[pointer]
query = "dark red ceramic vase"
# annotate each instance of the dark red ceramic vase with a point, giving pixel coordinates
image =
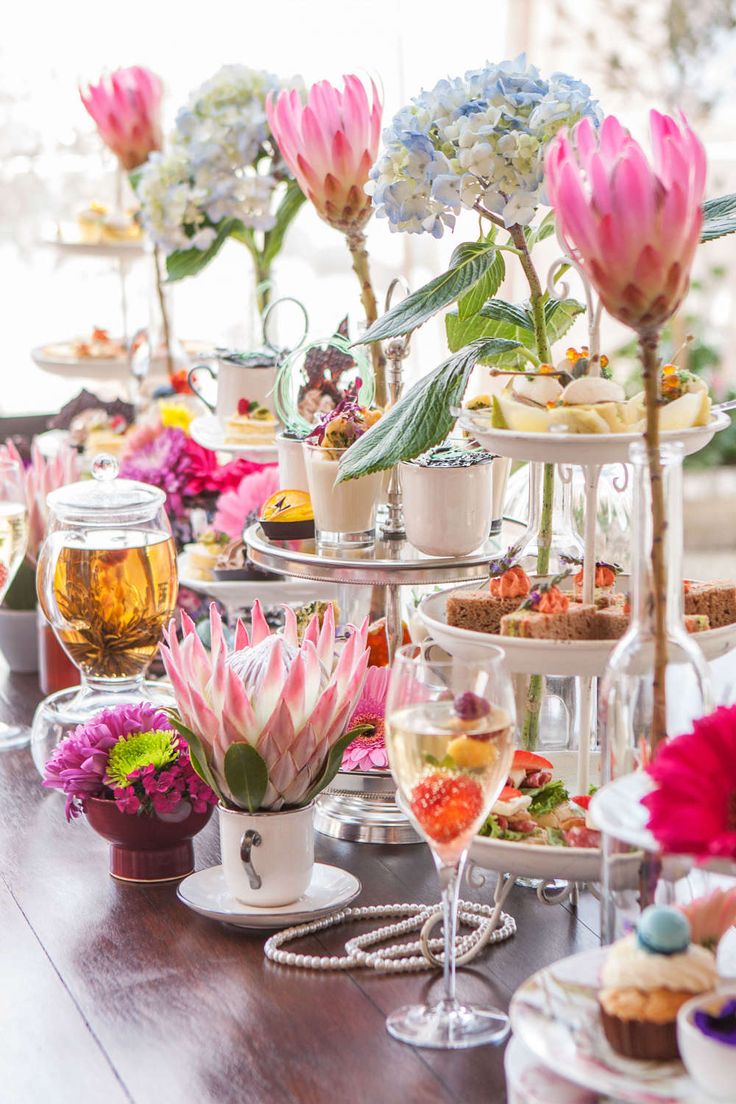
(145, 848)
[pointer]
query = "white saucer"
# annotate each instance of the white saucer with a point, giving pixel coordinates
(330, 889)
(209, 432)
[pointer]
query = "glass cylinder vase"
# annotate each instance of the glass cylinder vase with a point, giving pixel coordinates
(626, 700)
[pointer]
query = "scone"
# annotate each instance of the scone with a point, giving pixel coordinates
(646, 978)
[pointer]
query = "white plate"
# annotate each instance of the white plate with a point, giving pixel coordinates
(208, 431)
(243, 592)
(330, 889)
(56, 359)
(543, 657)
(555, 1012)
(68, 240)
(530, 1082)
(578, 448)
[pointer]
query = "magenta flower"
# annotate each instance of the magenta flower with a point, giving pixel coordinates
(126, 106)
(78, 764)
(330, 143)
(693, 809)
(368, 751)
(236, 505)
(162, 461)
(634, 227)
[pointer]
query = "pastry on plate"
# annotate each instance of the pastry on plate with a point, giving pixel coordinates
(252, 424)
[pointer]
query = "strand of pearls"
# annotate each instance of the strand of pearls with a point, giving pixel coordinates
(489, 925)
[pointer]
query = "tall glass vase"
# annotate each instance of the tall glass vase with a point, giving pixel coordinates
(160, 356)
(626, 695)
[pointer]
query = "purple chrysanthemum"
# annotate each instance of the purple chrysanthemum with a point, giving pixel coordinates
(368, 752)
(163, 461)
(78, 764)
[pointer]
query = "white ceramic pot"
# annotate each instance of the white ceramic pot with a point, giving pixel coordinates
(447, 510)
(710, 1063)
(344, 513)
(267, 857)
(235, 382)
(292, 471)
(19, 640)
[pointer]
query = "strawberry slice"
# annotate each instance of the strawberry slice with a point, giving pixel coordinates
(583, 800)
(508, 793)
(446, 805)
(528, 760)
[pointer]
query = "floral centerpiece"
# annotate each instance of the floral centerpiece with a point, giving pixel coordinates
(130, 772)
(221, 176)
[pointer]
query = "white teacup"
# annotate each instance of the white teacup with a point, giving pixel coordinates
(268, 857)
(253, 381)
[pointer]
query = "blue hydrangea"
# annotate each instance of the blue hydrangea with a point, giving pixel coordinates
(478, 138)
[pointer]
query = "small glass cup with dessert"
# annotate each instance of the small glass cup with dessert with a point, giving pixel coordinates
(344, 513)
(447, 499)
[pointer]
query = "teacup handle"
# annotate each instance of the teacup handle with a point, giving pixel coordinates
(250, 840)
(193, 385)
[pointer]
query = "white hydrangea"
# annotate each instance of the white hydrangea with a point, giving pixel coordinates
(481, 137)
(221, 163)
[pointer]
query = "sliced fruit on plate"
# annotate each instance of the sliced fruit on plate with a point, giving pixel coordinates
(519, 416)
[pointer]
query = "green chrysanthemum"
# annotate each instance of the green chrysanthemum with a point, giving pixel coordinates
(139, 750)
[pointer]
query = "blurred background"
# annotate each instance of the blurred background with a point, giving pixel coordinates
(665, 53)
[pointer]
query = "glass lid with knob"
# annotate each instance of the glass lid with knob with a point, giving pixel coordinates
(104, 499)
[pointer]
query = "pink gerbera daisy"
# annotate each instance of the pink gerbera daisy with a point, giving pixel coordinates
(234, 507)
(711, 917)
(693, 809)
(368, 752)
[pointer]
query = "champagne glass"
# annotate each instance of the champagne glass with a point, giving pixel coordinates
(13, 543)
(450, 740)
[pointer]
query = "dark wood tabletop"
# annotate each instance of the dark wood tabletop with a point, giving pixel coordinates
(113, 992)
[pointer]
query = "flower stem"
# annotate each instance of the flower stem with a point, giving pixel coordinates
(648, 351)
(165, 326)
(356, 244)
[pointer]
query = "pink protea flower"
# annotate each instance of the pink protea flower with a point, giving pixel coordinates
(40, 477)
(234, 507)
(126, 106)
(711, 917)
(330, 143)
(368, 751)
(289, 701)
(633, 226)
(693, 809)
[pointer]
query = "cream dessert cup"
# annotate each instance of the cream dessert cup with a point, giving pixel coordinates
(292, 467)
(344, 513)
(448, 502)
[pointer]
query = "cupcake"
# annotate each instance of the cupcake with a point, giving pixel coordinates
(646, 978)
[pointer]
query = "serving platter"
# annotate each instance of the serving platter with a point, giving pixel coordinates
(577, 448)
(543, 657)
(57, 358)
(208, 431)
(243, 592)
(555, 1012)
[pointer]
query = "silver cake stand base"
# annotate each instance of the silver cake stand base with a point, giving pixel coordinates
(360, 806)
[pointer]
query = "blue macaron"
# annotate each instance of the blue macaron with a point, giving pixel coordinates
(663, 930)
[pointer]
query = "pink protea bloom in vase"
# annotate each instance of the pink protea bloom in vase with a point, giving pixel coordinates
(274, 710)
(634, 228)
(330, 143)
(126, 106)
(711, 917)
(368, 750)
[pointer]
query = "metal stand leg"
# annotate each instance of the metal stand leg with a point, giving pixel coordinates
(394, 628)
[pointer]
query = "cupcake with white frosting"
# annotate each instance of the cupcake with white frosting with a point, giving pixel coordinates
(646, 978)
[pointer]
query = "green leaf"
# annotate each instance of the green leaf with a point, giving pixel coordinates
(421, 418)
(512, 313)
(246, 775)
(544, 229)
(471, 302)
(497, 319)
(559, 314)
(468, 265)
(273, 239)
(719, 217)
(197, 752)
(333, 762)
(188, 262)
(546, 798)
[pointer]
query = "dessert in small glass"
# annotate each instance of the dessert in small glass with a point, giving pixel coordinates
(344, 513)
(447, 500)
(292, 469)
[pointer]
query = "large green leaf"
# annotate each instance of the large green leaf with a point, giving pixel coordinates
(246, 775)
(421, 417)
(333, 762)
(559, 315)
(472, 301)
(188, 262)
(507, 321)
(197, 752)
(468, 265)
(273, 239)
(719, 217)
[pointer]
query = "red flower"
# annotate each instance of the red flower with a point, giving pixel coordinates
(693, 809)
(206, 476)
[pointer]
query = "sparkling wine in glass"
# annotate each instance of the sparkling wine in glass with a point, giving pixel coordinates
(450, 727)
(13, 543)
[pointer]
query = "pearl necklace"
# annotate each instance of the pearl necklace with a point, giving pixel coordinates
(489, 925)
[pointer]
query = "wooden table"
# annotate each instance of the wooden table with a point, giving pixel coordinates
(112, 992)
